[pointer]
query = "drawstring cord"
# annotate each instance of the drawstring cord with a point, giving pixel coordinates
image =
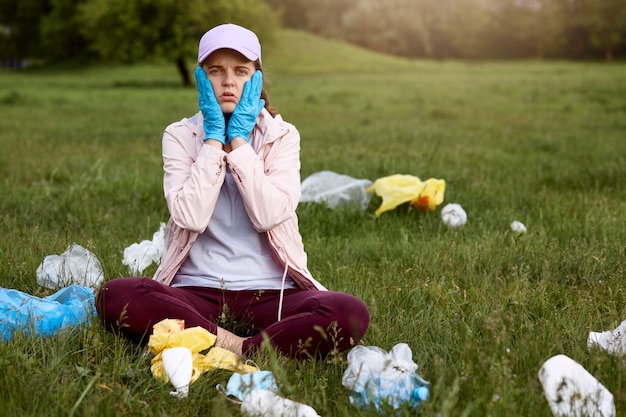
(282, 286)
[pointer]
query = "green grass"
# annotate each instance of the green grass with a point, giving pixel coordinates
(481, 308)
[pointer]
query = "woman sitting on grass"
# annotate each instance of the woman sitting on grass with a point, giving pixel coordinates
(233, 252)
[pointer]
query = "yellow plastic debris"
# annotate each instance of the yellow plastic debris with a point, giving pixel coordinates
(398, 189)
(169, 333)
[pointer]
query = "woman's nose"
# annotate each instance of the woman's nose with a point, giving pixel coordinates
(228, 78)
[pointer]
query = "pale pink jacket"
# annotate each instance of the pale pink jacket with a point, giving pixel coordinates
(268, 180)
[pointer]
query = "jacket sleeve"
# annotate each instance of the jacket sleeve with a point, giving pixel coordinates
(193, 176)
(270, 185)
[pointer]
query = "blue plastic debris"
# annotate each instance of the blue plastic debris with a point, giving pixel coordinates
(70, 306)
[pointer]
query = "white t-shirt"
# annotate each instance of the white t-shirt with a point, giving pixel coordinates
(230, 254)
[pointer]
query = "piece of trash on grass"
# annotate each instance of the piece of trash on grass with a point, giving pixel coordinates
(518, 227)
(240, 385)
(376, 377)
(170, 333)
(398, 189)
(265, 403)
(75, 266)
(35, 316)
(140, 256)
(335, 190)
(572, 391)
(178, 365)
(612, 341)
(453, 215)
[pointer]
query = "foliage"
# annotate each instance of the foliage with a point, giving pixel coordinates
(480, 306)
(468, 28)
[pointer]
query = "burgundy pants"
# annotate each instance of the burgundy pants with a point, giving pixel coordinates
(313, 322)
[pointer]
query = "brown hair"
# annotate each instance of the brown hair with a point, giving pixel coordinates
(271, 109)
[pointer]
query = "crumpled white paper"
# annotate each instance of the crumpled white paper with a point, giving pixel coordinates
(572, 391)
(612, 341)
(518, 227)
(76, 265)
(140, 256)
(335, 190)
(265, 403)
(453, 215)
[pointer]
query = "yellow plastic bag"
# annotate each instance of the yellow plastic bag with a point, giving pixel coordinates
(171, 333)
(398, 189)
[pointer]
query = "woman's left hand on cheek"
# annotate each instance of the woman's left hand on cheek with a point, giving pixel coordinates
(248, 109)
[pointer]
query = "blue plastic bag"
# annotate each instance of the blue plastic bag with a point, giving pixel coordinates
(70, 306)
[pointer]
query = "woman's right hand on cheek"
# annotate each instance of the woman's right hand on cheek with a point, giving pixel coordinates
(214, 124)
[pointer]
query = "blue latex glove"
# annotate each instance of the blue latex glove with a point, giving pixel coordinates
(249, 107)
(214, 123)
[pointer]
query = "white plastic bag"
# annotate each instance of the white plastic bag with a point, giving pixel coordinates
(76, 265)
(139, 256)
(265, 403)
(612, 341)
(336, 190)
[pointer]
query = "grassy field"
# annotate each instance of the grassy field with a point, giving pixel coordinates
(481, 307)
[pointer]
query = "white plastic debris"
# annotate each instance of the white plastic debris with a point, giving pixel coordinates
(518, 227)
(178, 364)
(612, 341)
(75, 266)
(376, 377)
(265, 403)
(335, 190)
(572, 391)
(140, 256)
(453, 215)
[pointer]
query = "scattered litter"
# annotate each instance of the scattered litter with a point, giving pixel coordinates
(398, 189)
(518, 227)
(335, 190)
(572, 391)
(140, 256)
(75, 266)
(265, 403)
(178, 365)
(376, 377)
(170, 333)
(70, 306)
(240, 385)
(612, 341)
(453, 215)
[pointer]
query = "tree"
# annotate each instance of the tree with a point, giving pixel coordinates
(19, 23)
(606, 22)
(132, 30)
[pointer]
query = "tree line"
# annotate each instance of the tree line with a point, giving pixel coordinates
(133, 30)
(470, 29)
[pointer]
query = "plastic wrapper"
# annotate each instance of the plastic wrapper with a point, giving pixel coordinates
(399, 189)
(335, 190)
(170, 333)
(612, 341)
(377, 378)
(75, 266)
(35, 316)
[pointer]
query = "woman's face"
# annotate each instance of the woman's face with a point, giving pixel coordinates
(228, 70)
